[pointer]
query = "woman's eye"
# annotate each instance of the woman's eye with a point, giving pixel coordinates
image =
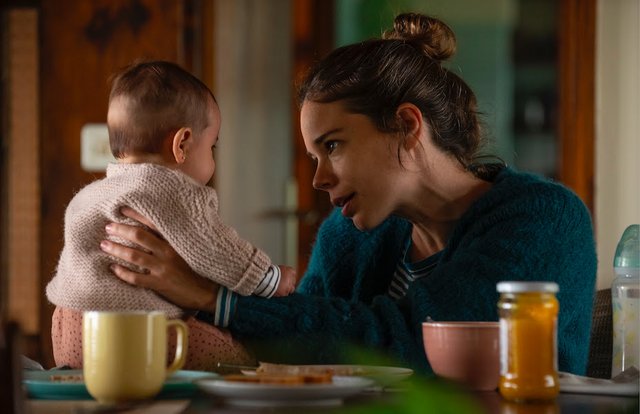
(331, 146)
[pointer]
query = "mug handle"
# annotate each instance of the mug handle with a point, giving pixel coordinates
(181, 345)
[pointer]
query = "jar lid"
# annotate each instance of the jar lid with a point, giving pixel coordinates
(520, 287)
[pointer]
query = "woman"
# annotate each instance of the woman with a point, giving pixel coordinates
(422, 229)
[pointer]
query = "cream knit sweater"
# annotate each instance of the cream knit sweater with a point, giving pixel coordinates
(184, 212)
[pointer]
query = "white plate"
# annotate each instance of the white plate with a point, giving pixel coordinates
(584, 385)
(383, 376)
(250, 394)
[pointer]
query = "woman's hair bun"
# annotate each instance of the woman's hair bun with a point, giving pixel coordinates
(433, 36)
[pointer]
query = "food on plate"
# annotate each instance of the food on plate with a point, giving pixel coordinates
(67, 378)
(283, 378)
(283, 369)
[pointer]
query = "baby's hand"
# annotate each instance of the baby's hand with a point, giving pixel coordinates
(288, 281)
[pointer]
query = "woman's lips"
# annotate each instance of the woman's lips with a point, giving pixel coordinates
(345, 205)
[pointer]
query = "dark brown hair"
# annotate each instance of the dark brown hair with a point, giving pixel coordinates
(159, 98)
(375, 76)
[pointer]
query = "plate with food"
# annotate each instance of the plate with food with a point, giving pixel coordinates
(284, 389)
(381, 375)
(69, 384)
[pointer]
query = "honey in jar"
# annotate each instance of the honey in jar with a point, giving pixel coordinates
(528, 344)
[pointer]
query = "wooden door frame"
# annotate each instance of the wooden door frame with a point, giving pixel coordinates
(313, 37)
(576, 96)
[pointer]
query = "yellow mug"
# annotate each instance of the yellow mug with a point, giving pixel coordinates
(125, 354)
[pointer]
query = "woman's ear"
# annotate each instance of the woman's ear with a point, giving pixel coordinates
(411, 118)
(182, 139)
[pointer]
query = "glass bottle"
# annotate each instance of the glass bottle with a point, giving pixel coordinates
(625, 300)
(528, 343)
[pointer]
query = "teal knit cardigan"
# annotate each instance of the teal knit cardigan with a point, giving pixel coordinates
(525, 228)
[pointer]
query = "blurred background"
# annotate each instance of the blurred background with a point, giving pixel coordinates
(556, 81)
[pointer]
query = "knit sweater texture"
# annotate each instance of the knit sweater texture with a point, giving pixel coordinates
(524, 228)
(184, 212)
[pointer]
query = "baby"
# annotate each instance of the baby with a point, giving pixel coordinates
(163, 128)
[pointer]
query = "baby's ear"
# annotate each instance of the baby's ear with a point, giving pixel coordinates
(182, 140)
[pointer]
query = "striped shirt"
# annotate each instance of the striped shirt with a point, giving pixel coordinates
(268, 285)
(407, 272)
(226, 298)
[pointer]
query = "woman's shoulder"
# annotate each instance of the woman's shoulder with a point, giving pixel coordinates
(533, 192)
(511, 178)
(525, 200)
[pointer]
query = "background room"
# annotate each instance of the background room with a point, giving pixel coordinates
(556, 80)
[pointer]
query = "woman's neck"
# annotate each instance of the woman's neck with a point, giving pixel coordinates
(426, 242)
(440, 198)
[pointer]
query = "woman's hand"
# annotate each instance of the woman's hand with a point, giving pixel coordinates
(165, 271)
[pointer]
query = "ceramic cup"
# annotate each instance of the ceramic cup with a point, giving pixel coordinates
(125, 354)
(465, 352)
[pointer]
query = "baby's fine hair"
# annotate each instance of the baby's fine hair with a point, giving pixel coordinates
(375, 76)
(156, 99)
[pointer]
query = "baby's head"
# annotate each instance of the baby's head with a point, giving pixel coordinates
(159, 112)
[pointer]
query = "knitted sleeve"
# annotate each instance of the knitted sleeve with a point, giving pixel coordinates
(339, 303)
(186, 215)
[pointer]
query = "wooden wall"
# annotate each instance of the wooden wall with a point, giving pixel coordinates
(20, 186)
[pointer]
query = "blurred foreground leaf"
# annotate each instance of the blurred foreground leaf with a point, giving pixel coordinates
(419, 394)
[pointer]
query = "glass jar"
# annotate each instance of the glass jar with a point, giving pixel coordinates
(625, 300)
(528, 343)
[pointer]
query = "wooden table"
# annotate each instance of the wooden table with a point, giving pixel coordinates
(488, 402)
(566, 403)
(91, 406)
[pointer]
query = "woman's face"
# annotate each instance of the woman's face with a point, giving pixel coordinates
(355, 163)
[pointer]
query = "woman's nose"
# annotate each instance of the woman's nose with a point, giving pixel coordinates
(323, 179)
